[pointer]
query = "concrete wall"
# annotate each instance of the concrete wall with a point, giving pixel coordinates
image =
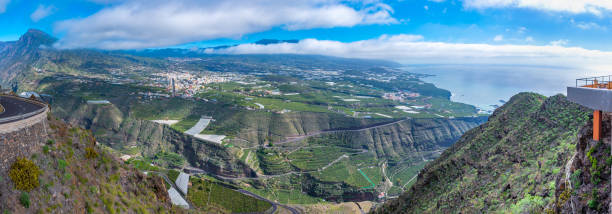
(21, 139)
(593, 98)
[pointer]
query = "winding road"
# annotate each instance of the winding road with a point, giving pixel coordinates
(274, 204)
(199, 171)
(15, 106)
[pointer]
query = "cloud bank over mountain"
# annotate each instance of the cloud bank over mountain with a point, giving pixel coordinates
(143, 24)
(413, 49)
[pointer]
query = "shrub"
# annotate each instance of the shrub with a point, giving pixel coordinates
(529, 204)
(173, 160)
(593, 204)
(90, 153)
(575, 179)
(24, 199)
(45, 149)
(24, 174)
(173, 174)
(61, 164)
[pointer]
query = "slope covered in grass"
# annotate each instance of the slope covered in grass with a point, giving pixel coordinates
(76, 174)
(508, 164)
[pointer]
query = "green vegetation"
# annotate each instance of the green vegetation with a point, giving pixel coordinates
(24, 199)
(24, 174)
(90, 153)
(142, 164)
(575, 178)
(273, 162)
(204, 194)
(313, 106)
(508, 164)
(529, 204)
(593, 204)
(403, 173)
(169, 159)
(309, 159)
(286, 193)
(173, 174)
(367, 178)
(348, 172)
(595, 169)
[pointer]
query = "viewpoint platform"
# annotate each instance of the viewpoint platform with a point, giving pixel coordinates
(16, 108)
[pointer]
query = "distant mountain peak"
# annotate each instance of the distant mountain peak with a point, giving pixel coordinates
(275, 41)
(34, 38)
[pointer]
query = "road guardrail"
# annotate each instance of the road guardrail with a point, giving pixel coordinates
(26, 115)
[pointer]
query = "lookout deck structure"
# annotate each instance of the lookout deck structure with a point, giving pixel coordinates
(594, 93)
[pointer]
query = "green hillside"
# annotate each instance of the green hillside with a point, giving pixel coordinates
(75, 174)
(509, 164)
(299, 129)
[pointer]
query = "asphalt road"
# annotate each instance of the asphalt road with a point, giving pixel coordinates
(15, 107)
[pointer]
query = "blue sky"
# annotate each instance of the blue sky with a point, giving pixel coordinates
(412, 31)
(445, 21)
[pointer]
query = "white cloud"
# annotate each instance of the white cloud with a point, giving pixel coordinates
(529, 39)
(142, 24)
(572, 6)
(498, 38)
(3, 4)
(412, 49)
(42, 12)
(589, 26)
(560, 42)
(426, 7)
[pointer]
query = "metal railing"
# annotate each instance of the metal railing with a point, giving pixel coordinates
(595, 82)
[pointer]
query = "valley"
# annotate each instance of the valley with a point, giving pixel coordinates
(290, 134)
(297, 130)
(298, 145)
(306, 106)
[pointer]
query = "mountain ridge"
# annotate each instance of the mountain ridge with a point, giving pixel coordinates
(510, 163)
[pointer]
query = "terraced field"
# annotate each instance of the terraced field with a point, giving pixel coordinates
(347, 171)
(209, 196)
(273, 162)
(285, 190)
(315, 158)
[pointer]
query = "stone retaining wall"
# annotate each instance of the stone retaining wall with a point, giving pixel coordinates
(22, 139)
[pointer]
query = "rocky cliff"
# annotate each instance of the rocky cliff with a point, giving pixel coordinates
(583, 186)
(264, 127)
(114, 128)
(408, 136)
